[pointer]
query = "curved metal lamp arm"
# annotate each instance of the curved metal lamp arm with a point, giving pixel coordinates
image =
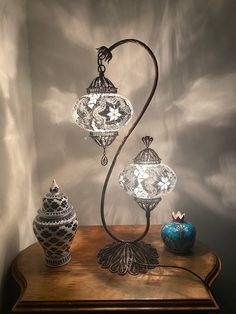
(106, 55)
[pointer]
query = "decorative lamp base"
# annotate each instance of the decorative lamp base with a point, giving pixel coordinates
(128, 257)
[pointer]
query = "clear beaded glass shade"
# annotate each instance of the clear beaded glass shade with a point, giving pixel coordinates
(147, 181)
(102, 112)
(147, 178)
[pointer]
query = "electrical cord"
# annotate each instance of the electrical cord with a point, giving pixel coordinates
(182, 268)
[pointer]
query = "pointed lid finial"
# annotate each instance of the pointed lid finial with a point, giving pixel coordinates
(54, 202)
(147, 155)
(54, 188)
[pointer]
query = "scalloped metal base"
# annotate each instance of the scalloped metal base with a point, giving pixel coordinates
(128, 257)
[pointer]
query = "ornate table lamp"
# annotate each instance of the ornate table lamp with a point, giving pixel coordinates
(102, 112)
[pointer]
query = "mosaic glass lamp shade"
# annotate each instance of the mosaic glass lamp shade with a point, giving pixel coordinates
(102, 112)
(147, 179)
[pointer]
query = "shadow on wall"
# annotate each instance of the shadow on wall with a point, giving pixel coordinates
(63, 152)
(18, 184)
(10, 290)
(189, 99)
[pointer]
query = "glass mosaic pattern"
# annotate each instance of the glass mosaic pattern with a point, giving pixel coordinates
(147, 181)
(102, 112)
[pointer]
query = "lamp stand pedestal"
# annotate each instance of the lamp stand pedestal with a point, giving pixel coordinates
(128, 257)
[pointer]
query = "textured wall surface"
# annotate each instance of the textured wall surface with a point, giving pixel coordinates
(18, 183)
(192, 116)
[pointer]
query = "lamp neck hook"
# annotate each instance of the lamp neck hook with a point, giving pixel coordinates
(103, 54)
(101, 67)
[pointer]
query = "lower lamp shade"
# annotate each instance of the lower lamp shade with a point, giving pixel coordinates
(147, 179)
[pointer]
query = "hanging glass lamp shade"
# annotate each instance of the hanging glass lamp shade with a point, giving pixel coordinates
(147, 179)
(102, 112)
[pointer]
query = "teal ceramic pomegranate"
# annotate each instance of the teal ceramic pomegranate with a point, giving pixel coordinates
(178, 234)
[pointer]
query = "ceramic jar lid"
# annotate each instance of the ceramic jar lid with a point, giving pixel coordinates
(55, 204)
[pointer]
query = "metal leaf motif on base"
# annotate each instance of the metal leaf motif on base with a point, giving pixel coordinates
(128, 257)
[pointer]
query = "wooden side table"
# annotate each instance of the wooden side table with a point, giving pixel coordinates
(82, 286)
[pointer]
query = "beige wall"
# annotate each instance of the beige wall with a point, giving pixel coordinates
(18, 183)
(192, 116)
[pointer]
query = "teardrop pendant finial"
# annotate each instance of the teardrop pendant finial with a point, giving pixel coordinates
(104, 159)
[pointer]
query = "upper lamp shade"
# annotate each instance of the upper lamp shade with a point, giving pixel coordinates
(102, 112)
(147, 179)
